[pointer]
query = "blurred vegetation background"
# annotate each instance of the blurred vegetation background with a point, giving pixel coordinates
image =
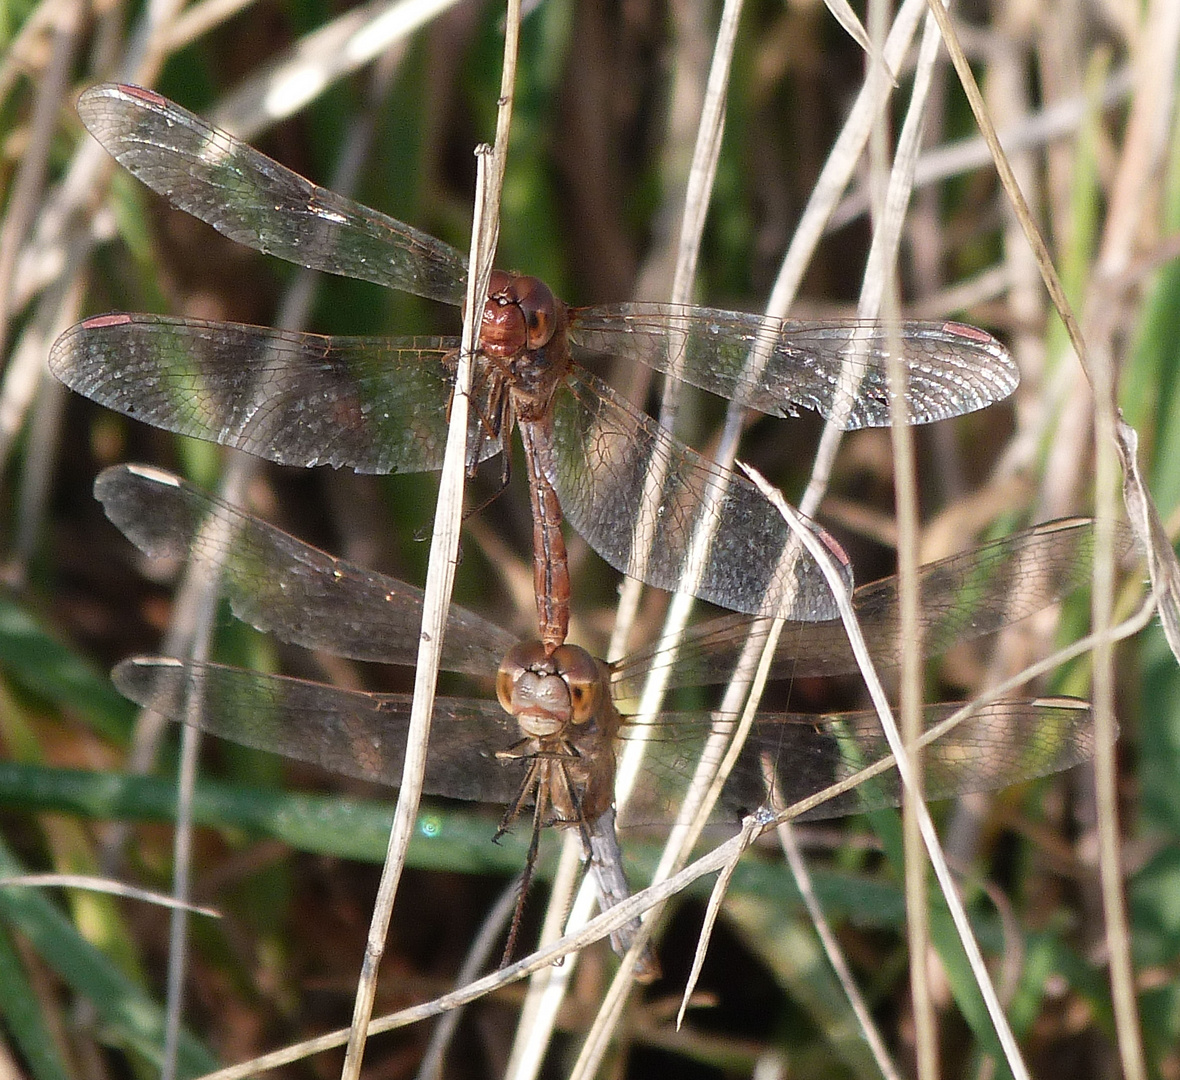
(592, 201)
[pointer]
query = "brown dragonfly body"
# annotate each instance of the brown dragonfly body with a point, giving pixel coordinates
(551, 738)
(380, 404)
(524, 337)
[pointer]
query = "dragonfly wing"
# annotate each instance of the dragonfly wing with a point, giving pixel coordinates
(606, 451)
(839, 369)
(963, 597)
(976, 592)
(377, 405)
(349, 732)
(283, 586)
(1004, 743)
(258, 202)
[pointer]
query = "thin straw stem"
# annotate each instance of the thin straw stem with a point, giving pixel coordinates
(440, 573)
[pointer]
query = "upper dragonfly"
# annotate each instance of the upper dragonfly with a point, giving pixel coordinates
(550, 741)
(380, 404)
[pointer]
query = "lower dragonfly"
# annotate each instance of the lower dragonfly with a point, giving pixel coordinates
(549, 741)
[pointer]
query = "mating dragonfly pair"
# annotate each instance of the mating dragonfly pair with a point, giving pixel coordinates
(380, 405)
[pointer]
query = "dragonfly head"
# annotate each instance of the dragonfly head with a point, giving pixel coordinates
(548, 693)
(519, 315)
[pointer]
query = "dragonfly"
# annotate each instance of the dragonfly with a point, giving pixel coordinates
(550, 739)
(381, 405)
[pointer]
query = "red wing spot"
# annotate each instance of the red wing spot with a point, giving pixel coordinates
(150, 96)
(116, 318)
(971, 333)
(833, 545)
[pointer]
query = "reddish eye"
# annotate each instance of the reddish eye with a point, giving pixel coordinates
(585, 680)
(537, 303)
(506, 678)
(540, 327)
(584, 701)
(521, 658)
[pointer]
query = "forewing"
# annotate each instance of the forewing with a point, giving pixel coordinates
(963, 597)
(837, 368)
(981, 590)
(349, 732)
(286, 587)
(258, 202)
(606, 454)
(377, 405)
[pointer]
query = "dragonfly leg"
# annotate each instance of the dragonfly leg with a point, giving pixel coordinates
(501, 488)
(492, 417)
(526, 877)
(522, 748)
(571, 798)
(531, 786)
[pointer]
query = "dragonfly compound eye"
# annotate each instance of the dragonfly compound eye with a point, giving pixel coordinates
(522, 657)
(539, 309)
(585, 680)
